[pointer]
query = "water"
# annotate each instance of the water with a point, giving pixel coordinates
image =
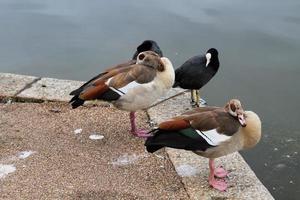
(259, 44)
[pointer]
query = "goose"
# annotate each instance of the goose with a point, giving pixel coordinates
(147, 45)
(130, 87)
(210, 132)
(196, 72)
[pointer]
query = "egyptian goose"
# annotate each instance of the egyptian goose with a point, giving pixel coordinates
(130, 87)
(147, 45)
(210, 132)
(196, 72)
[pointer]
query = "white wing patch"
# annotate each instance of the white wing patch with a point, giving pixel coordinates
(123, 90)
(212, 137)
(129, 86)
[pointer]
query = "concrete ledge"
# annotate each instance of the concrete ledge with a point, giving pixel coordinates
(193, 169)
(12, 84)
(50, 89)
(243, 183)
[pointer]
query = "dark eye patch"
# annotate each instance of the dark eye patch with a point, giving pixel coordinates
(141, 56)
(232, 107)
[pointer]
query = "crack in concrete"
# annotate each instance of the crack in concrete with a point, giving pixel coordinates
(171, 97)
(29, 85)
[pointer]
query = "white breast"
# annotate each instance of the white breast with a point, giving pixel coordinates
(212, 137)
(135, 96)
(139, 96)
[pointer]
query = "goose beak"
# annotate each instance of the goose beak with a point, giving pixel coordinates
(242, 120)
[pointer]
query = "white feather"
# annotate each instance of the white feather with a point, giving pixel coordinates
(212, 137)
(208, 57)
(125, 89)
(129, 86)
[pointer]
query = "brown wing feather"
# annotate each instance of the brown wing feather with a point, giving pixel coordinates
(202, 121)
(174, 124)
(217, 119)
(201, 109)
(139, 73)
(120, 77)
(227, 124)
(93, 92)
(143, 74)
(99, 86)
(99, 78)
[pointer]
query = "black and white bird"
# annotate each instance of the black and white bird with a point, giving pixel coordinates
(196, 72)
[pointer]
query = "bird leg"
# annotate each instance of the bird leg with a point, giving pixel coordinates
(220, 172)
(134, 131)
(193, 98)
(220, 185)
(197, 98)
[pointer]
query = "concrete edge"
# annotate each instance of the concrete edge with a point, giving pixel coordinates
(21, 88)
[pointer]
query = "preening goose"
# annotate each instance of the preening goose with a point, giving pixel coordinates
(196, 72)
(147, 45)
(210, 132)
(130, 87)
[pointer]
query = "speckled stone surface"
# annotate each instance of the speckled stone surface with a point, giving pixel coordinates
(66, 164)
(51, 89)
(169, 94)
(11, 84)
(243, 183)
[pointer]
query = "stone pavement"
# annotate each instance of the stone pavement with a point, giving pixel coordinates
(41, 157)
(51, 158)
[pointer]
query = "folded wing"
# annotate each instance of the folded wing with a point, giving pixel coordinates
(109, 84)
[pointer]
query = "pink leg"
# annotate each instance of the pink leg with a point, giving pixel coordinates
(220, 172)
(217, 184)
(134, 131)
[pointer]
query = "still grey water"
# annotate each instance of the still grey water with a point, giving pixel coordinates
(258, 43)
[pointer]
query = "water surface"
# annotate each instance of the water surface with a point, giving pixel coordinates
(258, 41)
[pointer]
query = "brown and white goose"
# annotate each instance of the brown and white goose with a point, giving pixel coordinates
(130, 87)
(210, 132)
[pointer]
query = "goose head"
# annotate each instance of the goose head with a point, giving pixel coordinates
(150, 59)
(235, 109)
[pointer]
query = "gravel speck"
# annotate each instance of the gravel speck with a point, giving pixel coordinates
(25, 154)
(6, 169)
(78, 131)
(96, 137)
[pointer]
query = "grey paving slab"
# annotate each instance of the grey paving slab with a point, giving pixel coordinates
(242, 181)
(51, 89)
(11, 84)
(172, 92)
(194, 169)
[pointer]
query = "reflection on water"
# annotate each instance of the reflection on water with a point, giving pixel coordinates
(259, 51)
